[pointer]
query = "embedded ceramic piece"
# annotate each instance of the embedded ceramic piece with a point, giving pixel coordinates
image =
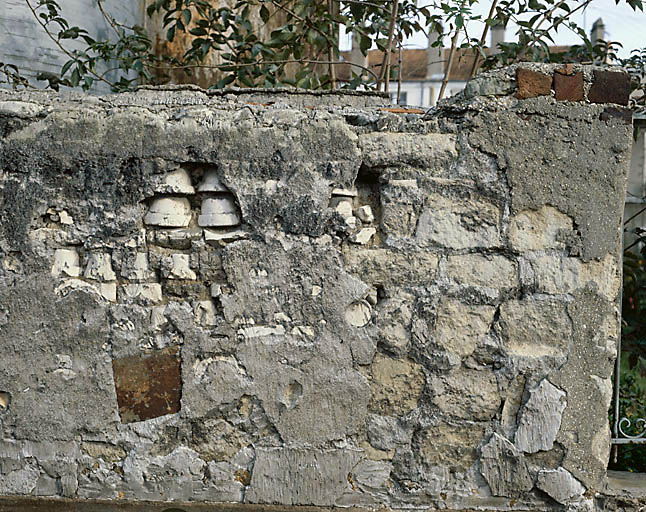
(205, 313)
(212, 183)
(174, 212)
(177, 267)
(365, 214)
(344, 192)
(139, 268)
(343, 207)
(363, 236)
(219, 211)
(99, 267)
(66, 261)
(176, 182)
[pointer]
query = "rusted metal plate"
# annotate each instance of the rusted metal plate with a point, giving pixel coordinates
(148, 386)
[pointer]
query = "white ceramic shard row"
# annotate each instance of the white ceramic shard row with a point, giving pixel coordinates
(173, 212)
(176, 182)
(99, 267)
(178, 267)
(219, 212)
(107, 291)
(204, 312)
(363, 236)
(148, 293)
(66, 262)
(212, 183)
(365, 214)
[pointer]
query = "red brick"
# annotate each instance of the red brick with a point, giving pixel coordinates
(148, 386)
(610, 87)
(568, 87)
(532, 84)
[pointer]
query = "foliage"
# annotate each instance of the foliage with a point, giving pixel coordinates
(302, 48)
(632, 385)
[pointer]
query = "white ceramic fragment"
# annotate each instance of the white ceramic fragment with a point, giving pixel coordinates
(174, 212)
(139, 269)
(345, 192)
(358, 314)
(223, 236)
(149, 293)
(204, 312)
(175, 182)
(212, 183)
(344, 208)
(99, 267)
(219, 211)
(66, 261)
(365, 214)
(363, 236)
(178, 267)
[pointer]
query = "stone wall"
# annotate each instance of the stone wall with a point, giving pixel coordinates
(309, 299)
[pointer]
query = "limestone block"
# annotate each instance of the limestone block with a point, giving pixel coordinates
(459, 223)
(504, 468)
(397, 149)
(535, 230)
(211, 182)
(363, 236)
(99, 267)
(557, 274)
(175, 182)
(66, 262)
(365, 214)
(146, 293)
(466, 394)
(288, 476)
(490, 271)
(388, 267)
(393, 321)
(560, 485)
(396, 385)
(452, 446)
(459, 326)
(386, 432)
(219, 212)
(172, 212)
(540, 418)
(372, 474)
(178, 267)
(533, 328)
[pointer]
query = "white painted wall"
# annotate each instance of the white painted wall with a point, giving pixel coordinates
(424, 93)
(636, 186)
(24, 43)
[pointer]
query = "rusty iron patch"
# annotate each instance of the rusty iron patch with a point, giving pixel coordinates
(148, 386)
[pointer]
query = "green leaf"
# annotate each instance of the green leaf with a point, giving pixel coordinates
(186, 14)
(170, 35)
(264, 13)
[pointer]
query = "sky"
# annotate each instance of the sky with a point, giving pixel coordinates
(622, 24)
